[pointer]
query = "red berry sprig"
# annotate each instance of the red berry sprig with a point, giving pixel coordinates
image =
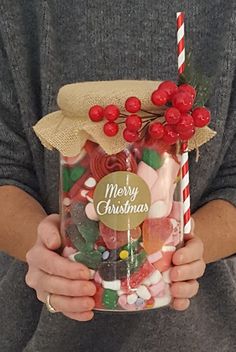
(180, 117)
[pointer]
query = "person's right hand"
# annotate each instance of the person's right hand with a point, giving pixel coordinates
(66, 281)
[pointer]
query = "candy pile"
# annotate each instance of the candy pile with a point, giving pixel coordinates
(181, 116)
(130, 268)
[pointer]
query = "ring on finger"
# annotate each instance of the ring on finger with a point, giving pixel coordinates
(50, 308)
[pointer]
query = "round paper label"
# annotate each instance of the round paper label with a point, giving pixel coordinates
(122, 200)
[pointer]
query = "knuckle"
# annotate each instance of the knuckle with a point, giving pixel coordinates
(30, 280)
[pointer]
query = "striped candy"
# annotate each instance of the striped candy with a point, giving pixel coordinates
(184, 163)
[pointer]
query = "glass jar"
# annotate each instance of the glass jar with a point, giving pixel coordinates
(121, 216)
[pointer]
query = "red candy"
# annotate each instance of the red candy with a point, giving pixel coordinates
(102, 164)
(115, 239)
(136, 278)
(155, 233)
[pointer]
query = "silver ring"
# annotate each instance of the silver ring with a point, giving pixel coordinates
(48, 304)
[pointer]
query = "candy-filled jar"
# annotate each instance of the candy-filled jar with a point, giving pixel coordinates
(124, 182)
(122, 218)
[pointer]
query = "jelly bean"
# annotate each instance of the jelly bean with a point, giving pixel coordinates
(152, 158)
(115, 239)
(143, 292)
(110, 299)
(156, 289)
(91, 212)
(131, 299)
(147, 173)
(66, 180)
(90, 259)
(122, 268)
(124, 254)
(114, 255)
(112, 285)
(166, 276)
(155, 232)
(76, 173)
(102, 164)
(137, 277)
(139, 302)
(105, 255)
(88, 228)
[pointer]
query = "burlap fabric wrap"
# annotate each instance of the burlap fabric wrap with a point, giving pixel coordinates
(68, 128)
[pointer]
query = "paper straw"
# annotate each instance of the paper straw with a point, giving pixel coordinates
(185, 189)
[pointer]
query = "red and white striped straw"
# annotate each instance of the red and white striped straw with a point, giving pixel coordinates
(185, 189)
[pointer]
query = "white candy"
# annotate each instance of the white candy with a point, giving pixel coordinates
(155, 277)
(152, 279)
(143, 292)
(166, 276)
(162, 301)
(131, 299)
(168, 249)
(90, 182)
(114, 285)
(159, 209)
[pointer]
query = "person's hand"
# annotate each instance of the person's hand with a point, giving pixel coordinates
(67, 282)
(188, 267)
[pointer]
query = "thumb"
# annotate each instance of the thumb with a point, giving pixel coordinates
(49, 232)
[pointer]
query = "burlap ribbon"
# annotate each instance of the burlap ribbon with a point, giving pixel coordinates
(68, 129)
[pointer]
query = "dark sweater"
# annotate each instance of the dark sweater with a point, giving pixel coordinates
(45, 44)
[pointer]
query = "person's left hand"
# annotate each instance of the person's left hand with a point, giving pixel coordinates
(188, 267)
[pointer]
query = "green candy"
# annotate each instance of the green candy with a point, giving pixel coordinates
(110, 299)
(77, 239)
(152, 158)
(90, 259)
(76, 173)
(88, 228)
(67, 183)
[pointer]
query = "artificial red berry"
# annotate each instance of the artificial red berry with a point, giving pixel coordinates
(159, 97)
(172, 116)
(133, 123)
(111, 112)
(201, 117)
(170, 135)
(156, 130)
(169, 87)
(189, 89)
(185, 136)
(110, 129)
(183, 101)
(130, 136)
(96, 113)
(133, 104)
(186, 123)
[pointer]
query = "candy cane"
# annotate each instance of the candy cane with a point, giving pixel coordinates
(184, 163)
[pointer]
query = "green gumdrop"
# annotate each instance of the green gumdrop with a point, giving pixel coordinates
(90, 259)
(76, 173)
(66, 181)
(152, 158)
(110, 299)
